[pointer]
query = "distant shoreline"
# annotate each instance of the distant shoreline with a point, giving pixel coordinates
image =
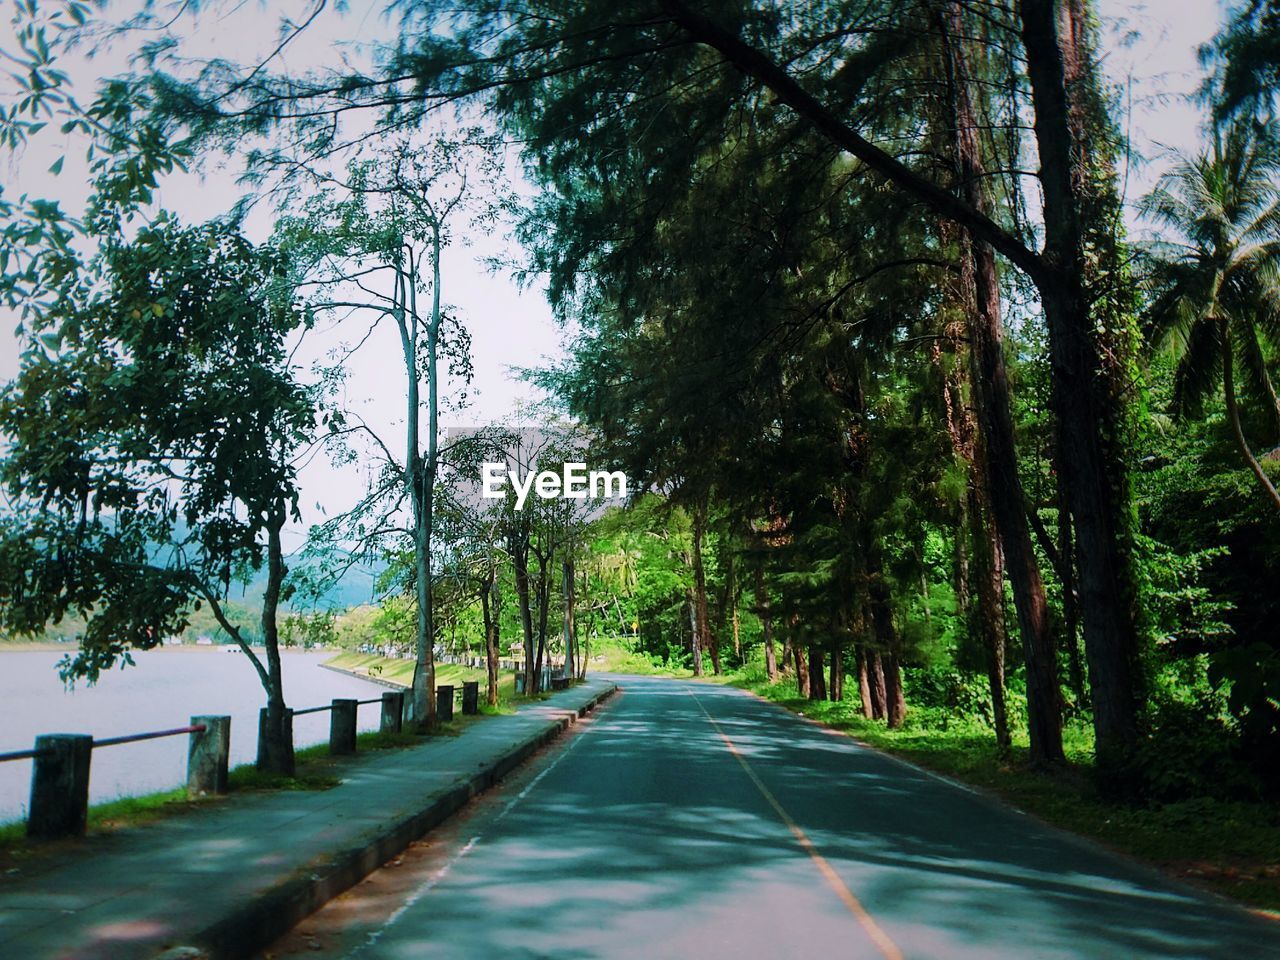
(53, 646)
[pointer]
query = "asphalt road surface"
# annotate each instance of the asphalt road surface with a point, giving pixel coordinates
(691, 821)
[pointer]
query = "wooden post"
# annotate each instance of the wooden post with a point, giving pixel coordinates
(342, 727)
(444, 703)
(392, 711)
(471, 697)
(208, 754)
(60, 786)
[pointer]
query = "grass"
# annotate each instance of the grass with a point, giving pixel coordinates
(1232, 848)
(609, 655)
(400, 671)
(16, 849)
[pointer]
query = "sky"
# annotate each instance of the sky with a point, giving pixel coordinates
(1148, 52)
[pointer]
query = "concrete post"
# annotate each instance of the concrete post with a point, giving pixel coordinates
(262, 726)
(520, 682)
(470, 697)
(392, 711)
(207, 756)
(444, 703)
(342, 727)
(60, 786)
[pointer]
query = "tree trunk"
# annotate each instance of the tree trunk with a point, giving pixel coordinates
(489, 603)
(864, 681)
(766, 627)
(895, 701)
(1090, 423)
(835, 686)
(895, 707)
(544, 605)
(570, 626)
(817, 685)
(700, 589)
(1233, 414)
(276, 743)
(995, 449)
(987, 612)
(731, 588)
(879, 694)
(695, 643)
(797, 655)
(1070, 602)
(520, 561)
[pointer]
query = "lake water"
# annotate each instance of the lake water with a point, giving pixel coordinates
(164, 690)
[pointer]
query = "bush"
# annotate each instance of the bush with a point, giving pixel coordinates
(948, 696)
(1194, 753)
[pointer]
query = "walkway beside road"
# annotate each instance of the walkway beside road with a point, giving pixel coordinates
(224, 881)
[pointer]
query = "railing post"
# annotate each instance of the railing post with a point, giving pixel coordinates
(444, 703)
(342, 727)
(208, 754)
(286, 721)
(392, 711)
(470, 697)
(60, 786)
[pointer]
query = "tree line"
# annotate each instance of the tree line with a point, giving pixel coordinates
(854, 297)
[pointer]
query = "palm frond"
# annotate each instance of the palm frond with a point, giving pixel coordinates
(1199, 370)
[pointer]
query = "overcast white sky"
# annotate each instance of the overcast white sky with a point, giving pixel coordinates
(1149, 50)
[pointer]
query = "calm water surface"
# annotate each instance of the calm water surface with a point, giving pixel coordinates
(164, 690)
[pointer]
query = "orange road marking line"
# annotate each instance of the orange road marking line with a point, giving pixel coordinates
(873, 930)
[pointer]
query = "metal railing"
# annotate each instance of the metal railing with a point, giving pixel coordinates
(153, 735)
(33, 753)
(329, 706)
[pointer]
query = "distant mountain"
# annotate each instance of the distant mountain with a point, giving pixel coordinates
(354, 589)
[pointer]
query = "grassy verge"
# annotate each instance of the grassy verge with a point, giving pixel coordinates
(1232, 848)
(612, 655)
(399, 671)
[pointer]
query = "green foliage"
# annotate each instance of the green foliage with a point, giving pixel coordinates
(1247, 57)
(1195, 753)
(162, 361)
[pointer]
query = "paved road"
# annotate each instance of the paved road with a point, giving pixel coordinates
(688, 821)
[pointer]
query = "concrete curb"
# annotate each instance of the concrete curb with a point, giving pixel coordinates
(271, 913)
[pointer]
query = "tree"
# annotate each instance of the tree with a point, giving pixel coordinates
(152, 431)
(1216, 290)
(1247, 54)
(388, 221)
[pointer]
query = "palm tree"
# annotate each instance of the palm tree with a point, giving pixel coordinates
(1216, 288)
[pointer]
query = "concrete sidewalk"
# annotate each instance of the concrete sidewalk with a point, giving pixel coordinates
(225, 881)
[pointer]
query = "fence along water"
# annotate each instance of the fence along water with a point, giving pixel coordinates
(59, 804)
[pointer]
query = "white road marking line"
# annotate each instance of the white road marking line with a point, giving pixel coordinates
(434, 880)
